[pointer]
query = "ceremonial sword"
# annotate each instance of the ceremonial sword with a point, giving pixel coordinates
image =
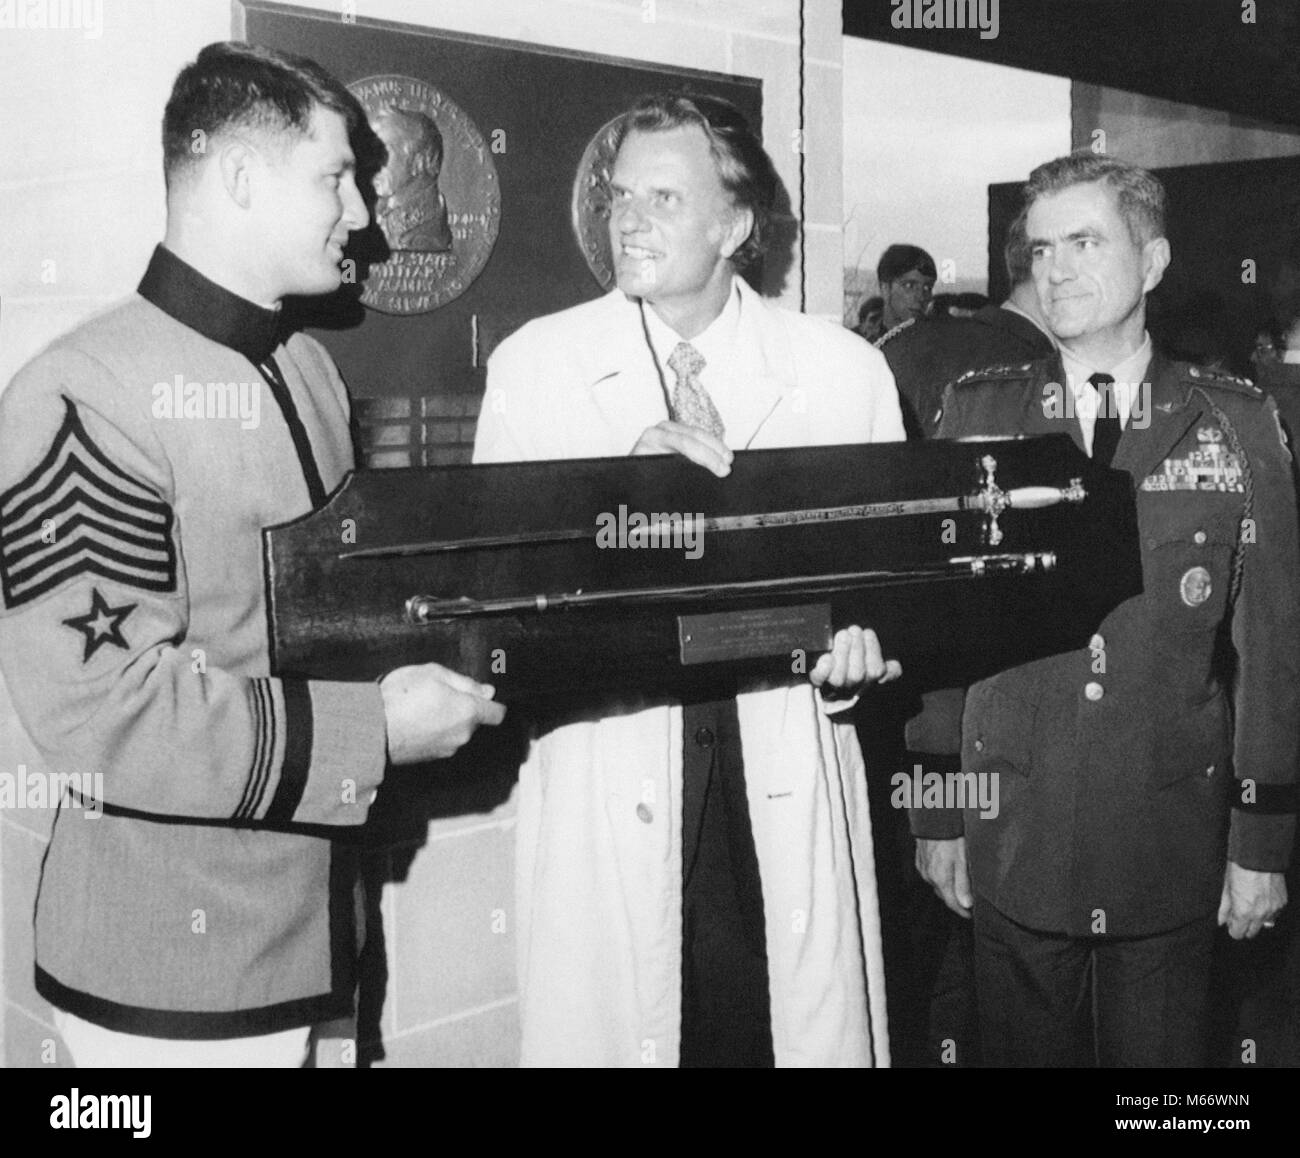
(992, 501)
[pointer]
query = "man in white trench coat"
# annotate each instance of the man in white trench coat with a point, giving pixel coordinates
(695, 882)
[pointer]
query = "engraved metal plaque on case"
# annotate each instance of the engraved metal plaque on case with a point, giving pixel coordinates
(754, 633)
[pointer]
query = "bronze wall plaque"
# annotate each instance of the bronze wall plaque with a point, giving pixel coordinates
(420, 320)
(438, 201)
(591, 204)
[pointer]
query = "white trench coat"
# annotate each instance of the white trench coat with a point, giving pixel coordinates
(599, 880)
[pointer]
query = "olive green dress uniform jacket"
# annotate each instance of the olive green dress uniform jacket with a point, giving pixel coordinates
(1130, 769)
(133, 636)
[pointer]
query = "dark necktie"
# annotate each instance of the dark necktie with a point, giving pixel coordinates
(691, 402)
(1105, 433)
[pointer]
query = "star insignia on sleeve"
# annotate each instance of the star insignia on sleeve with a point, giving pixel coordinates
(101, 624)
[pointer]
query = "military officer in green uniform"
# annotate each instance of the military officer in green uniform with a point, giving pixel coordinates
(1147, 781)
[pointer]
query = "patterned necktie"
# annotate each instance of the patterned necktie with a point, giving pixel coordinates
(691, 402)
(1105, 432)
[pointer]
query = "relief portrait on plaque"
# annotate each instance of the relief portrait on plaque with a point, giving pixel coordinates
(590, 204)
(411, 209)
(438, 200)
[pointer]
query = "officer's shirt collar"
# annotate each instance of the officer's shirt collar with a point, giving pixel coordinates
(1129, 376)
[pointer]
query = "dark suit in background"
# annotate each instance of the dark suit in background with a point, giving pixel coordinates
(932, 352)
(1281, 381)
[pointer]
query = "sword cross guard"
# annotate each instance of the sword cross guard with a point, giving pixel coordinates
(994, 500)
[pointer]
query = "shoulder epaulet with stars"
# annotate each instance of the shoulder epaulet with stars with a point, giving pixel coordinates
(888, 334)
(1204, 376)
(1009, 372)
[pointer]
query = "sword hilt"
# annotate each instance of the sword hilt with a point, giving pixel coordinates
(993, 500)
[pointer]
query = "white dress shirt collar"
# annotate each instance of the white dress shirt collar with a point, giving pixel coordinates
(1130, 378)
(716, 345)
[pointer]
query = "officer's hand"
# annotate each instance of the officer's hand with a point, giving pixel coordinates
(431, 711)
(855, 659)
(691, 442)
(1249, 900)
(942, 865)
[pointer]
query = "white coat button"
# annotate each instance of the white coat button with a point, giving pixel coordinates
(1097, 643)
(1210, 770)
(644, 814)
(979, 745)
(1198, 538)
(1094, 691)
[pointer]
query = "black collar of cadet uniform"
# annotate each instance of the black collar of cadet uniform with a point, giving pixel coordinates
(180, 290)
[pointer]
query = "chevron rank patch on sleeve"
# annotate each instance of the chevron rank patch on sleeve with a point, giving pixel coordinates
(79, 513)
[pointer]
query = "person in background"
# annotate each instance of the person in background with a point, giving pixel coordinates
(906, 274)
(956, 305)
(1277, 371)
(1269, 347)
(871, 316)
(927, 356)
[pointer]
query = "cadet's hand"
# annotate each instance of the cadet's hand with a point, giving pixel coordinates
(690, 442)
(431, 711)
(855, 659)
(942, 865)
(1251, 900)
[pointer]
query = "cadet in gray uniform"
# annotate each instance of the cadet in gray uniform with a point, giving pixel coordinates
(203, 919)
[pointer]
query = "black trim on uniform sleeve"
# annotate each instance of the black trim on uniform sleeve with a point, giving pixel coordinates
(1269, 799)
(298, 728)
(188, 1025)
(262, 701)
